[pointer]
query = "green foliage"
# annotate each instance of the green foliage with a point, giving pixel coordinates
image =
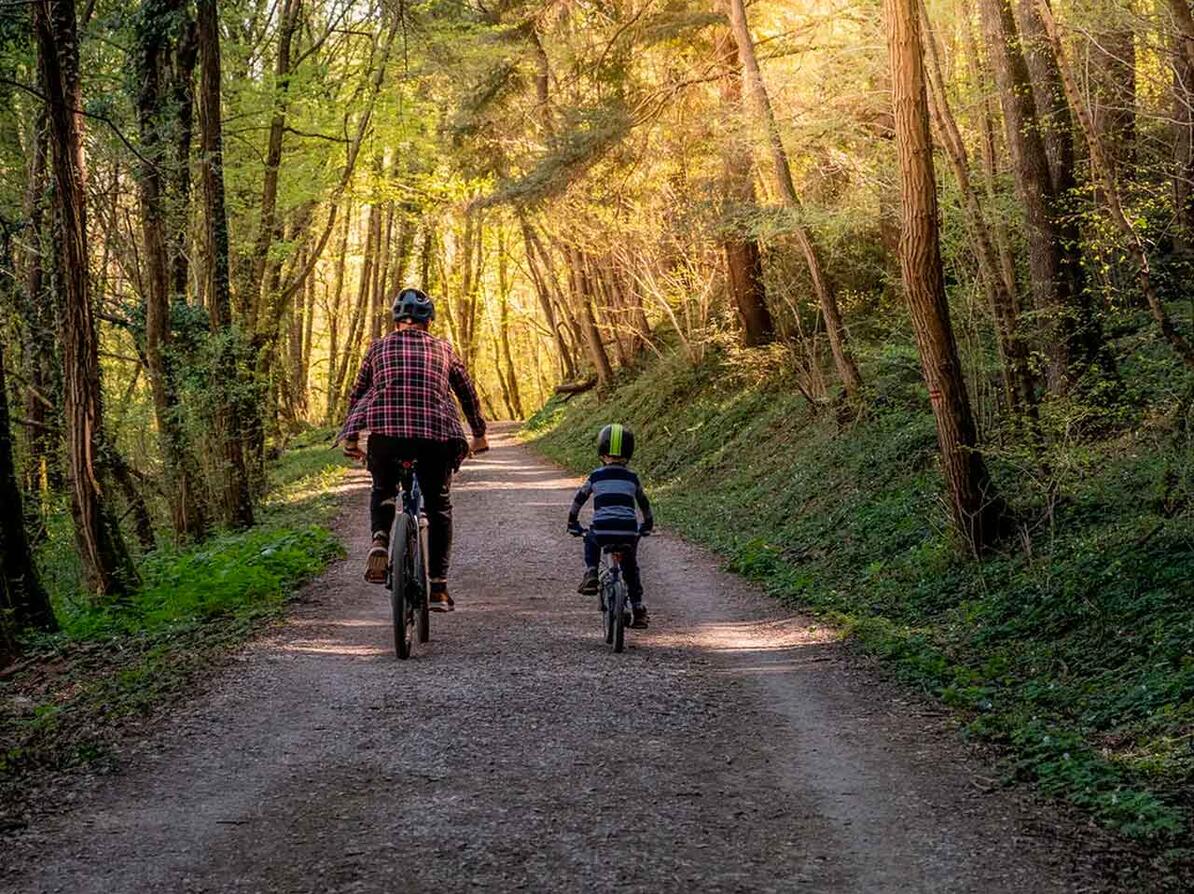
(195, 603)
(1072, 648)
(235, 575)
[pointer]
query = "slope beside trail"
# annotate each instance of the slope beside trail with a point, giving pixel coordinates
(733, 747)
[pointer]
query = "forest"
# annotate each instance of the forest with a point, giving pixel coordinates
(912, 278)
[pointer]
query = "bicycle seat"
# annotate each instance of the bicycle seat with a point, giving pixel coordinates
(618, 547)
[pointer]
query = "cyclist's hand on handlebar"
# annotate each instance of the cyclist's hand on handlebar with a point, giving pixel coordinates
(576, 530)
(478, 445)
(352, 450)
(646, 530)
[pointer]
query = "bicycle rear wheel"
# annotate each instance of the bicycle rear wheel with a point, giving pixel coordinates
(402, 583)
(618, 616)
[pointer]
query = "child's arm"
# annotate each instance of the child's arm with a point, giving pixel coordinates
(644, 505)
(582, 496)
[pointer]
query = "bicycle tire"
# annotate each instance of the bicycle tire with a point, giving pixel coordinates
(401, 582)
(423, 615)
(607, 614)
(618, 614)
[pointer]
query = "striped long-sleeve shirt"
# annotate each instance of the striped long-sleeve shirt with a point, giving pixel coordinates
(616, 491)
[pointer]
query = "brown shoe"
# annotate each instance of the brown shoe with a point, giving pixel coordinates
(378, 562)
(438, 599)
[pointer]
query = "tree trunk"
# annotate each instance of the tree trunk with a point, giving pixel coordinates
(834, 329)
(334, 304)
(580, 293)
(107, 566)
(40, 348)
(161, 217)
(507, 355)
(1183, 125)
(980, 73)
(23, 601)
(228, 383)
(255, 267)
(1074, 338)
(744, 263)
(977, 510)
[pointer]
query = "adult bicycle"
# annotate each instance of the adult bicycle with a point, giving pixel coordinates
(407, 577)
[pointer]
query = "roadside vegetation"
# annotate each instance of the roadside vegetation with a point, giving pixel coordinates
(1070, 646)
(110, 666)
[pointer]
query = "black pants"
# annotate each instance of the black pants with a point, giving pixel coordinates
(634, 580)
(436, 461)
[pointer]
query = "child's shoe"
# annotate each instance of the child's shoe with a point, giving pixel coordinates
(588, 583)
(640, 619)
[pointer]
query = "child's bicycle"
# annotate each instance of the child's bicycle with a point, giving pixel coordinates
(612, 592)
(407, 577)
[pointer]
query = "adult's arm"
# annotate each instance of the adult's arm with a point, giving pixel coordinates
(582, 496)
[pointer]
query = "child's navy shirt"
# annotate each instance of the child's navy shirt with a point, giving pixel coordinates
(615, 491)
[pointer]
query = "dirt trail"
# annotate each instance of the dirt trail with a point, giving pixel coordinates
(732, 747)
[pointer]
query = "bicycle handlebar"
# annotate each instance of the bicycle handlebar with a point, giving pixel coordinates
(581, 531)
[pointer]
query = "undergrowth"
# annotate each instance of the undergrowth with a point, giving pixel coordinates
(1072, 647)
(118, 661)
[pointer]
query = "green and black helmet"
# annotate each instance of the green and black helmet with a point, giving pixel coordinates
(616, 440)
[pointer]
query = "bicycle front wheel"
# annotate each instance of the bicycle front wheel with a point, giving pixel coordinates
(423, 612)
(402, 584)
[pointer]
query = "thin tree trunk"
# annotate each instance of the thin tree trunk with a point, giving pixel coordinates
(834, 329)
(138, 509)
(334, 306)
(251, 288)
(744, 262)
(980, 73)
(507, 356)
(977, 509)
(580, 292)
(157, 61)
(107, 565)
(43, 385)
(227, 382)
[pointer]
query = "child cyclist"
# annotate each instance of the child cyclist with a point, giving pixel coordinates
(615, 491)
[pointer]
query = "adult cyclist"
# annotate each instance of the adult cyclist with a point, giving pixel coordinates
(403, 398)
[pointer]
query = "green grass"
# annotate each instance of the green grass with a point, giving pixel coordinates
(1072, 648)
(195, 603)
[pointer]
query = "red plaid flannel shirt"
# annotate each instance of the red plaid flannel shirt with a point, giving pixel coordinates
(404, 389)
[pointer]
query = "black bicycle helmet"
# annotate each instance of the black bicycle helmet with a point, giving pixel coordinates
(616, 440)
(413, 305)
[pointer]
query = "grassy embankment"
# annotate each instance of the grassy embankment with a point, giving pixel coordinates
(1073, 648)
(113, 664)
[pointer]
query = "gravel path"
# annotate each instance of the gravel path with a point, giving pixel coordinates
(733, 747)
